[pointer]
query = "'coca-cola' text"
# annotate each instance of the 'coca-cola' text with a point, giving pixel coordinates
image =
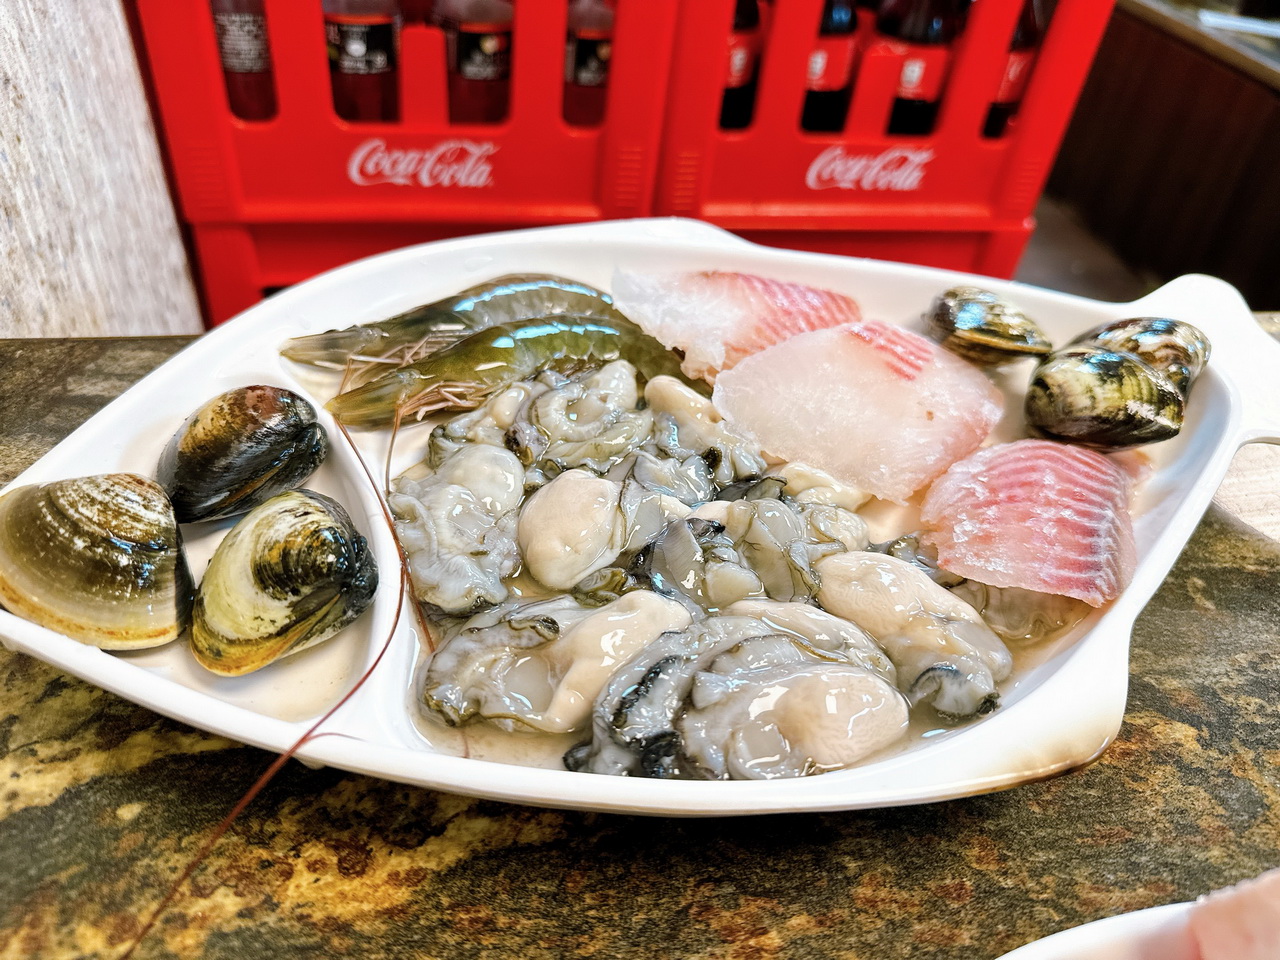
(450, 163)
(897, 168)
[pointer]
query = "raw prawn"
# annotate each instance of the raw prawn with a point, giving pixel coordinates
(465, 374)
(371, 349)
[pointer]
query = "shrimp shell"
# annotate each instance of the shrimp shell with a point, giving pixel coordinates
(373, 348)
(464, 375)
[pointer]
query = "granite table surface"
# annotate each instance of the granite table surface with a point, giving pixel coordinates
(104, 802)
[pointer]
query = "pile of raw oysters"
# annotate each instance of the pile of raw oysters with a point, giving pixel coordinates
(100, 558)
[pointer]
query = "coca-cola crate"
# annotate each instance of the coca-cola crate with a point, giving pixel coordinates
(272, 202)
(951, 198)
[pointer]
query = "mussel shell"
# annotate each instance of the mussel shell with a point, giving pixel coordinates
(239, 450)
(1177, 349)
(292, 572)
(984, 328)
(98, 559)
(1104, 399)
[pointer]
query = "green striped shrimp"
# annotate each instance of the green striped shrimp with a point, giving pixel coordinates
(462, 376)
(367, 351)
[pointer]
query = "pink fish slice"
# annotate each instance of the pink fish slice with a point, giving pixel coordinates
(1240, 922)
(1036, 514)
(716, 318)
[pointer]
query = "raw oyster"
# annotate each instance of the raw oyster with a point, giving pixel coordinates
(633, 720)
(776, 707)
(458, 528)
(734, 697)
(984, 328)
(487, 424)
(687, 424)
(291, 573)
(239, 450)
(589, 421)
(539, 666)
(945, 655)
(1119, 385)
(98, 559)
(571, 527)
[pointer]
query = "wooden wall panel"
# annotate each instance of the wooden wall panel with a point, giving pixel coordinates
(89, 243)
(1170, 158)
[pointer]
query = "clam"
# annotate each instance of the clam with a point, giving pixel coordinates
(239, 450)
(291, 573)
(1100, 398)
(1172, 347)
(1119, 385)
(984, 328)
(98, 559)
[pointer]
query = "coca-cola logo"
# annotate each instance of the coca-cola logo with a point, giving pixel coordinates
(897, 168)
(450, 163)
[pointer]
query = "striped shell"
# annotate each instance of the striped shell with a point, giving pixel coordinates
(239, 450)
(291, 573)
(984, 328)
(98, 559)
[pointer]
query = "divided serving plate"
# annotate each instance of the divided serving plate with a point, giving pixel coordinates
(1057, 713)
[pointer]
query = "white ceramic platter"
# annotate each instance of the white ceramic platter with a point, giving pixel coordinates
(1057, 714)
(1159, 933)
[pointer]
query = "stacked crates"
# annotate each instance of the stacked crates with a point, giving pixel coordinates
(271, 202)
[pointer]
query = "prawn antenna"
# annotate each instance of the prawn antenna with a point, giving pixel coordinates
(311, 733)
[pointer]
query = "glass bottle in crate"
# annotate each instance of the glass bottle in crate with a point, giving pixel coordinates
(478, 54)
(363, 37)
(745, 40)
(829, 81)
(241, 28)
(1017, 68)
(926, 28)
(587, 56)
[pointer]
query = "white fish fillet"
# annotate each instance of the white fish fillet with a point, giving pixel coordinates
(716, 318)
(875, 406)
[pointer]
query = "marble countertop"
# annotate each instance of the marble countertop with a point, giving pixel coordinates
(105, 802)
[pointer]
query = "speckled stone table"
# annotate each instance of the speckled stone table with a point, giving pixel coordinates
(104, 803)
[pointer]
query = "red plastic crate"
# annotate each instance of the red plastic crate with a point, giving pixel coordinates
(273, 202)
(959, 200)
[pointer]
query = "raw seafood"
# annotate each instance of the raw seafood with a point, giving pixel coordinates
(98, 559)
(984, 328)
(373, 348)
(293, 572)
(875, 406)
(944, 653)
(1036, 514)
(1119, 385)
(716, 318)
(539, 666)
(457, 527)
(1240, 922)
(683, 706)
(239, 450)
(469, 371)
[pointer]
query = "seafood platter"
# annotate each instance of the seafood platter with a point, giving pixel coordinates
(641, 517)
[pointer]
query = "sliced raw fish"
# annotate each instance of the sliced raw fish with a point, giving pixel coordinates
(1035, 514)
(1240, 922)
(716, 318)
(875, 406)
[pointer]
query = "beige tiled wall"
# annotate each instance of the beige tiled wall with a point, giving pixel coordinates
(89, 245)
